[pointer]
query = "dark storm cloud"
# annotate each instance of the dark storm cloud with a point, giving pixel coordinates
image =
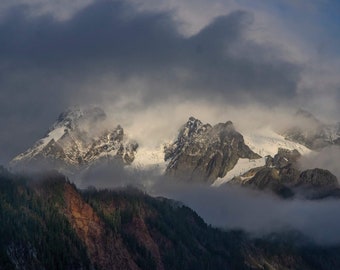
(106, 33)
(47, 65)
(110, 35)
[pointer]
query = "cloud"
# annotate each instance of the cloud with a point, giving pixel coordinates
(61, 9)
(259, 214)
(108, 52)
(327, 158)
(228, 207)
(134, 60)
(110, 38)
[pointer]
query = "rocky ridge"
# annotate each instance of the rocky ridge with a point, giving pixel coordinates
(203, 152)
(282, 176)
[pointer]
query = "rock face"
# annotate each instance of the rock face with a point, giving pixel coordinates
(283, 158)
(282, 176)
(76, 141)
(317, 177)
(203, 152)
(318, 183)
(311, 132)
(92, 231)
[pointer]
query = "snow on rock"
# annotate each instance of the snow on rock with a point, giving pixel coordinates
(203, 153)
(243, 165)
(55, 135)
(264, 142)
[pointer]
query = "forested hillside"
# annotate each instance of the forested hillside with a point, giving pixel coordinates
(46, 223)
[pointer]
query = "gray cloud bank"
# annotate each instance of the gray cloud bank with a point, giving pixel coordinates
(260, 214)
(109, 53)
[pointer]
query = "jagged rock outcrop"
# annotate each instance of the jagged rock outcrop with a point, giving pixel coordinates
(318, 183)
(203, 152)
(317, 178)
(76, 141)
(311, 132)
(283, 158)
(282, 176)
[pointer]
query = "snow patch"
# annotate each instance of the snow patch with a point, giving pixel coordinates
(150, 158)
(263, 142)
(55, 135)
(243, 165)
(267, 142)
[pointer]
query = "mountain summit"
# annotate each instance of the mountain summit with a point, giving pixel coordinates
(77, 140)
(203, 152)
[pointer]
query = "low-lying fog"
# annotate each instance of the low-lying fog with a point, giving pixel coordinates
(233, 207)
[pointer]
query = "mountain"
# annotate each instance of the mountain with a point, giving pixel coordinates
(77, 140)
(282, 176)
(203, 152)
(46, 223)
(311, 132)
(221, 155)
(81, 139)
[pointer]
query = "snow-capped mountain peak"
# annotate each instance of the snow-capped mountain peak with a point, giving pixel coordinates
(203, 152)
(192, 128)
(76, 140)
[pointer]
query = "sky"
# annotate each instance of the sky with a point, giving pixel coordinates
(156, 59)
